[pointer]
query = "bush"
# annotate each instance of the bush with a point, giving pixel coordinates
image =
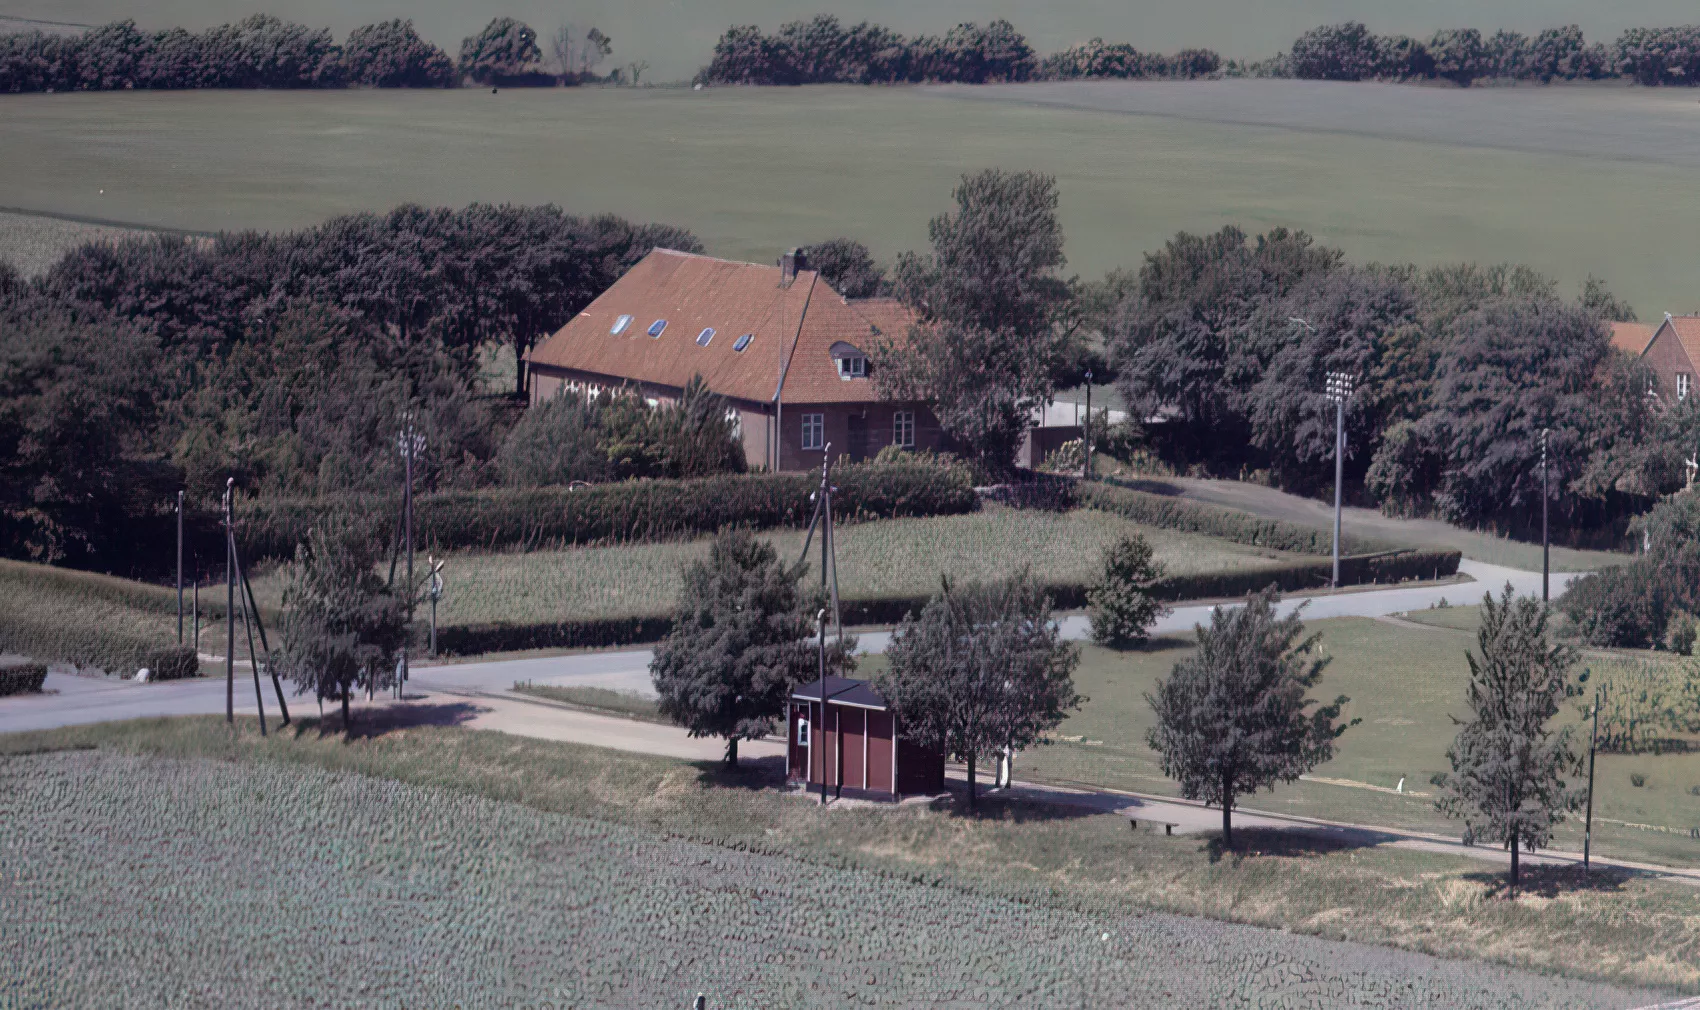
(22, 677)
(176, 662)
(639, 510)
(1123, 608)
(1228, 524)
(1622, 607)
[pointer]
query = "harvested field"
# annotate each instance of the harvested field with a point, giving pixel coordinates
(1568, 180)
(32, 242)
(440, 896)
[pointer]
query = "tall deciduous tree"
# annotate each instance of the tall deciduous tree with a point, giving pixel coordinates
(1510, 766)
(343, 627)
(741, 643)
(1234, 718)
(504, 50)
(982, 670)
(986, 298)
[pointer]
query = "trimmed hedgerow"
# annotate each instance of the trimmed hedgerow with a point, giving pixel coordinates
(22, 677)
(1393, 567)
(173, 662)
(638, 510)
(1198, 517)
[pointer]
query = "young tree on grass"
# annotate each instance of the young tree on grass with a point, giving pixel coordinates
(983, 670)
(742, 641)
(1233, 717)
(1509, 765)
(1121, 607)
(343, 627)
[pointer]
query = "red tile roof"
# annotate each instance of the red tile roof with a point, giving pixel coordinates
(693, 293)
(1631, 337)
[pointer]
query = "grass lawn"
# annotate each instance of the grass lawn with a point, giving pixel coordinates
(1568, 180)
(1406, 684)
(885, 558)
(598, 699)
(495, 866)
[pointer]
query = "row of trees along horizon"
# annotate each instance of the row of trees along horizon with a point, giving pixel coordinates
(289, 361)
(263, 51)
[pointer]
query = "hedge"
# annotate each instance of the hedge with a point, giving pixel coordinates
(22, 678)
(1215, 520)
(638, 510)
(1389, 567)
(173, 662)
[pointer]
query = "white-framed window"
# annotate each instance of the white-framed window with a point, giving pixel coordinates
(1682, 385)
(814, 431)
(802, 731)
(855, 367)
(903, 429)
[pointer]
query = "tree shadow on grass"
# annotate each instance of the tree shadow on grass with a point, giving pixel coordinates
(997, 805)
(1291, 843)
(752, 773)
(374, 722)
(1548, 880)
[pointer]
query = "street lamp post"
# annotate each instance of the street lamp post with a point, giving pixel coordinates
(411, 444)
(1339, 391)
(1086, 433)
(1545, 485)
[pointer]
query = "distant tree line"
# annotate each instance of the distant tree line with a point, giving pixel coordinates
(1351, 52)
(825, 51)
(289, 361)
(263, 51)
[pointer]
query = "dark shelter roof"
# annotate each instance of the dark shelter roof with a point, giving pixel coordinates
(841, 691)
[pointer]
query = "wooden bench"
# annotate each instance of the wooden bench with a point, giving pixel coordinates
(1168, 826)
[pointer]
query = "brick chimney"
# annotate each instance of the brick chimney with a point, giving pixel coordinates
(790, 263)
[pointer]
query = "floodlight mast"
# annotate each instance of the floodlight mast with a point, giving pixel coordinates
(1339, 390)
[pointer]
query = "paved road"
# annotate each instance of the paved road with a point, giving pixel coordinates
(78, 700)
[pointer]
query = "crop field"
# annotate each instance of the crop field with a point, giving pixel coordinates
(677, 38)
(1570, 180)
(273, 892)
(894, 557)
(1406, 684)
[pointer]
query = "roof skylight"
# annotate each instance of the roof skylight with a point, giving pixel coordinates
(620, 325)
(743, 341)
(705, 336)
(656, 327)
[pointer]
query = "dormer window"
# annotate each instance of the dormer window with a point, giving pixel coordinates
(852, 363)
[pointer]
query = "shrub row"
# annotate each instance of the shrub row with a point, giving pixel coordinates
(173, 662)
(1229, 524)
(640, 510)
(1297, 576)
(22, 678)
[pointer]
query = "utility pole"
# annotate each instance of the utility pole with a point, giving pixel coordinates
(815, 741)
(436, 594)
(1086, 433)
(229, 607)
(179, 568)
(1545, 484)
(1593, 744)
(411, 443)
(1339, 391)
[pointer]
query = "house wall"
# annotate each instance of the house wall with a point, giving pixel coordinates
(855, 431)
(1041, 442)
(865, 736)
(1668, 359)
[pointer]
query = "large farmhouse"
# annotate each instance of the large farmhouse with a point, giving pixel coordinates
(1672, 350)
(789, 354)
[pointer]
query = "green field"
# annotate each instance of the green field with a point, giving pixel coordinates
(677, 38)
(1572, 181)
(895, 557)
(1406, 684)
(484, 869)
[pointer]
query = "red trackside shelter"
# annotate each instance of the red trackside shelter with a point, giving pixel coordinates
(853, 743)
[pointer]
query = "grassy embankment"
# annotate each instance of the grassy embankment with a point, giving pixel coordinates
(1623, 929)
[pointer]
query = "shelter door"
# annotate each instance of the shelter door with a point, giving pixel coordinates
(858, 439)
